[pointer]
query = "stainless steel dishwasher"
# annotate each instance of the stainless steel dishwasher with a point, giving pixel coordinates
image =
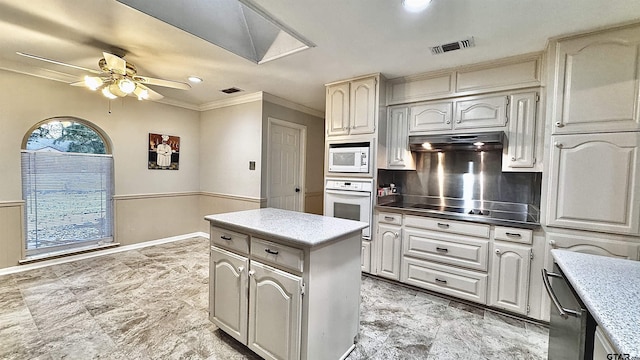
(571, 327)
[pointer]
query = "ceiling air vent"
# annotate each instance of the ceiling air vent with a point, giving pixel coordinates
(231, 90)
(462, 44)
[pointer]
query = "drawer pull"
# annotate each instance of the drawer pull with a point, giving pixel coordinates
(443, 225)
(444, 250)
(269, 251)
(389, 218)
(444, 282)
(515, 235)
(225, 237)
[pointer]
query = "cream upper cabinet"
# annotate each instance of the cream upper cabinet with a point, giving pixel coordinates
(521, 134)
(431, 116)
(509, 280)
(595, 182)
(275, 312)
(338, 109)
(596, 82)
(390, 248)
(352, 107)
(481, 112)
(398, 154)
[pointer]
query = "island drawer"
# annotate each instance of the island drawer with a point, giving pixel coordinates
(279, 254)
(465, 284)
(230, 239)
(450, 226)
(522, 236)
(459, 250)
(390, 218)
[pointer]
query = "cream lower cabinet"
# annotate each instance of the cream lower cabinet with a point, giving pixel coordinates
(275, 312)
(365, 258)
(445, 256)
(509, 280)
(595, 182)
(390, 244)
(228, 284)
(267, 317)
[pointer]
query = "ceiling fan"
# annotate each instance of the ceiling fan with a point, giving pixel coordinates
(117, 78)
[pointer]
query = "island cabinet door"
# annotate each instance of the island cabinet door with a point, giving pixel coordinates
(228, 306)
(275, 312)
(509, 280)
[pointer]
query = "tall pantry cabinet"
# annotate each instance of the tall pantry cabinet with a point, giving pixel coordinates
(595, 132)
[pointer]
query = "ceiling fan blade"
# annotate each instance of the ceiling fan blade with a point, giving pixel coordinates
(161, 82)
(115, 63)
(58, 62)
(152, 94)
(78, 83)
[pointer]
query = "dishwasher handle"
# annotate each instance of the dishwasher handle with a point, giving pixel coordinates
(564, 312)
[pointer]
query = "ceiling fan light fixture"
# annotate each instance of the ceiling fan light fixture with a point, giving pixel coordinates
(93, 82)
(415, 5)
(141, 93)
(127, 86)
(108, 94)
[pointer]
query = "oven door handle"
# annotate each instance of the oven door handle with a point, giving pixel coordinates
(564, 312)
(350, 193)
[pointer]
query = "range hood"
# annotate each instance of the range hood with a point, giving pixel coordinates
(458, 142)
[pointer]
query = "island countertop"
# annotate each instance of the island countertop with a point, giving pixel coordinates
(610, 289)
(298, 228)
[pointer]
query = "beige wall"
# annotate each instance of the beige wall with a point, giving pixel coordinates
(215, 149)
(314, 153)
(28, 100)
(230, 137)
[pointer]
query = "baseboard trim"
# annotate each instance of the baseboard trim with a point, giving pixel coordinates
(88, 255)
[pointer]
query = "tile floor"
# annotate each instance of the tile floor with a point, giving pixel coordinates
(151, 303)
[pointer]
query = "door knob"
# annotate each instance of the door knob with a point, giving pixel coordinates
(297, 189)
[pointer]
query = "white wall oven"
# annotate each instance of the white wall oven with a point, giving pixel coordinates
(350, 199)
(349, 158)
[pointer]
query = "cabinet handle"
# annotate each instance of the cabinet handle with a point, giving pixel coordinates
(459, 121)
(444, 282)
(225, 237)
(559, 124)
(442, 249)
(513, 158)
(269, 251)
(552, 243)
(240, 269)
(443, 225)
(515, 235)
(252, 272)
(396, 234)
(389, 218)
(354, 126)
(498, 251)
(558, 145)
(448, 121)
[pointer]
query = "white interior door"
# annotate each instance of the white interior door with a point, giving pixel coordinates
(286, 165)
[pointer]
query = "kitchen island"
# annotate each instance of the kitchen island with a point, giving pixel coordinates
(610, 289)
(286, 284)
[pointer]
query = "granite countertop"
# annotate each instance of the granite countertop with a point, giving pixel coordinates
(610, 289)
(291, 226)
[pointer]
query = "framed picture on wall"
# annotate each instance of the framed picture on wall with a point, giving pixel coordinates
(164, 152)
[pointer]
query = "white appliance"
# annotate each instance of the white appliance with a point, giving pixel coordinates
(344, 158)
(350, 199)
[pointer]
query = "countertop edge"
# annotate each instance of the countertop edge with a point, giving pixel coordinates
(591, 303)
(438, 215)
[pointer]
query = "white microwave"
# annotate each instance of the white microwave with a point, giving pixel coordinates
(349, 159)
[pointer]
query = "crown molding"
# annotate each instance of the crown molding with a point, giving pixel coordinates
(237, 100)
(291, 105)
(177, 103)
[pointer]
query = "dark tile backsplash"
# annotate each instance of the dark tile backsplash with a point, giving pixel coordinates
(462, 174)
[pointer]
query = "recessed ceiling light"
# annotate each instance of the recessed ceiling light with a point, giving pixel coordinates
(415, 5)
(195, 79)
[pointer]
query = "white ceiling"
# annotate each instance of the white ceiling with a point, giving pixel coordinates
(352, 38)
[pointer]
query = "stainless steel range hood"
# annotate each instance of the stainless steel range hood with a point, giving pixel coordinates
(458, 142)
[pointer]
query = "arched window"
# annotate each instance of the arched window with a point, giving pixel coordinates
(67, 185)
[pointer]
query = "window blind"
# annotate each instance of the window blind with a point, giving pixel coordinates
(69, 198)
